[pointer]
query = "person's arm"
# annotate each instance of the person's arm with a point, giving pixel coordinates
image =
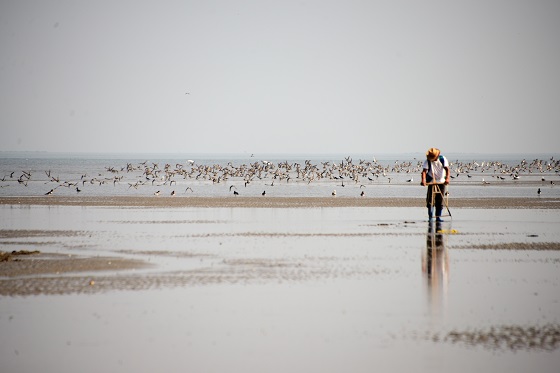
(423, 182)
(447, 174)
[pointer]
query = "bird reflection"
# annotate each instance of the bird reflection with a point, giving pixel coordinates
(435, 266)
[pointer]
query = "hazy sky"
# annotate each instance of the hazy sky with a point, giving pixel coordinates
(280, 76)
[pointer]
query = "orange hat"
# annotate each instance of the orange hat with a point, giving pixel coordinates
(432, 154)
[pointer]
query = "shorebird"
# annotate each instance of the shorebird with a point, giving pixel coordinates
(362, 194)
(52, 191)
(264, 193)
(235, 193)
(333, 193)
(539, 191)
(156, 193)
(172, 193)
(410, 180)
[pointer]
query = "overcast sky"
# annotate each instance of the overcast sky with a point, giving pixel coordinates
(280, 76)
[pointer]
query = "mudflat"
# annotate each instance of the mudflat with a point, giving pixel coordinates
(299, 284)
(276, 202)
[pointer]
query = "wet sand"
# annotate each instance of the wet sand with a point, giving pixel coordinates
(24, 273)
(278, 202)
(30, 266)
(296, 284)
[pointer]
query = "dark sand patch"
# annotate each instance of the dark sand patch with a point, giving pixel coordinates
(25, 233)
(539, 246)
(26, 278)
(168, 222)
(278, 202)
(8, 257)
(505, 337)
(35, 263)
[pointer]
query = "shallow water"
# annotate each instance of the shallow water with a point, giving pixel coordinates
(355, 289)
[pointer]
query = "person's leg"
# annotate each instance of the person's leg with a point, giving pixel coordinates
(439, 202)
(429, 201)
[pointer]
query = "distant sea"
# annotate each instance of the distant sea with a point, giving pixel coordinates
(219, 175)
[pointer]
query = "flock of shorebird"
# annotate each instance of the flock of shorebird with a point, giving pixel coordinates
(342, 173)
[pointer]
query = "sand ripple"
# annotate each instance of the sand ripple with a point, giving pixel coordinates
(506, 337)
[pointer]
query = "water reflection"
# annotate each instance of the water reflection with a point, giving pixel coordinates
(435, 267)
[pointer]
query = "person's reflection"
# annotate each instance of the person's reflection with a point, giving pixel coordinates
(435, 266)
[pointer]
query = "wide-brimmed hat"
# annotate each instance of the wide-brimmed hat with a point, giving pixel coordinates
(432, 154)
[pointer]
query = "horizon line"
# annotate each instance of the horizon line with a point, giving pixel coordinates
(258, 154)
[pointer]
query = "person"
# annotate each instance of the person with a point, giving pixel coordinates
(435, 170)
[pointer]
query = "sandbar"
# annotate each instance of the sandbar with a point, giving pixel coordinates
(277, 202)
